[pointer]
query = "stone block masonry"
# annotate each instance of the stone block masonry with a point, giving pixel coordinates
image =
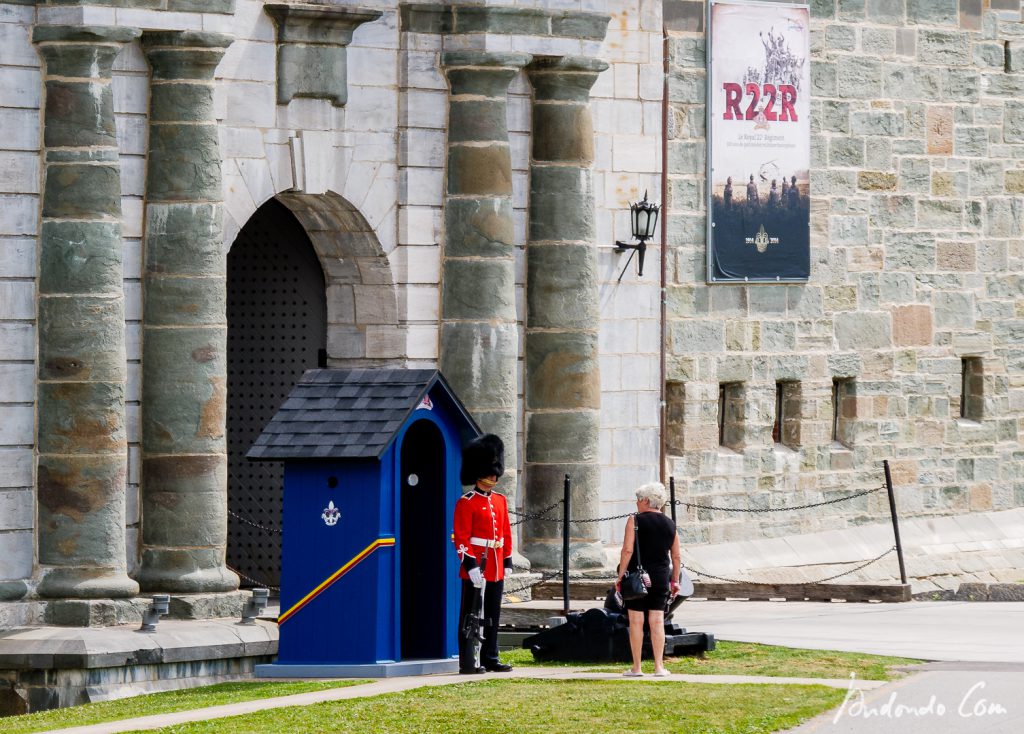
(20, 161)
(915, 250)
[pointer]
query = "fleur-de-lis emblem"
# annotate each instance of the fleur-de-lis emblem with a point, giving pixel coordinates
(331, 515)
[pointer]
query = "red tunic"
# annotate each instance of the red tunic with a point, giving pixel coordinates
(481, 516)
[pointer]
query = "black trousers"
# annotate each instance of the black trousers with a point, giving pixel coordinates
(492, 611)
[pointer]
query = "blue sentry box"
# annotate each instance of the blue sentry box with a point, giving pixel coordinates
(369, 575)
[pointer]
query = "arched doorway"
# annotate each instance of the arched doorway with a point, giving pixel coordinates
(277, 329)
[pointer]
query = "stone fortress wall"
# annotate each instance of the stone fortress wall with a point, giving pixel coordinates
(916, 209)
(368, 172)
(917, 196)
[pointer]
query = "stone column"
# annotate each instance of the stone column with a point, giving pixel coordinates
(184, 330)
(83, 451)
(563, 387)
(479, 337)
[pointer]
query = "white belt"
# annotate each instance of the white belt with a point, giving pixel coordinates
(488, 543)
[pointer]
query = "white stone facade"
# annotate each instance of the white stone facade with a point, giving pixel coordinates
(384, 152)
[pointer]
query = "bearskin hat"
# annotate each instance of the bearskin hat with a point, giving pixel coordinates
(484, 456)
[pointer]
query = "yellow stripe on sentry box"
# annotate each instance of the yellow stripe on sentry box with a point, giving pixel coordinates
(325, 584)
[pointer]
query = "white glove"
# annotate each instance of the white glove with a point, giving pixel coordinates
(476, 577)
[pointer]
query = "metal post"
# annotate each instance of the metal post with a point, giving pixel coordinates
(565, 546)
(895, 521)
(672, 497)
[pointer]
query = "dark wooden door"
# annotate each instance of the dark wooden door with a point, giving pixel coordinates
(277, 329)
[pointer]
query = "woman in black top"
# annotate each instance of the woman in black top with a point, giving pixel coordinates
(657, 539)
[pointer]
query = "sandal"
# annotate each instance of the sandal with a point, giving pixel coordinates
(662, 673)
(633, 674)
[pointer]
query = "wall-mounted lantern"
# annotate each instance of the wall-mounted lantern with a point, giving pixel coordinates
(644, 220)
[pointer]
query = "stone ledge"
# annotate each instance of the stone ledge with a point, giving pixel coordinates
(94, 612)
(53, 648)
(20, 613)
(989, 592)
(50, 667)
(110, 612)
(219, 7)
(464, 19)
(208, 606)
(113, 612)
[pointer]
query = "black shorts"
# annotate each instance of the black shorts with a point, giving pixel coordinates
(655, 601)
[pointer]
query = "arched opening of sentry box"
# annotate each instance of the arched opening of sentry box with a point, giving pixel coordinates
(424, 541)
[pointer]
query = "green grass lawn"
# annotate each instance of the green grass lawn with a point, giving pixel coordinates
(548, 707)
(746, 658)
(160, 703)
(755, 708)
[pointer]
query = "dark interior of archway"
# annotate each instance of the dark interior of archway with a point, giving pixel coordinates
(277, 329)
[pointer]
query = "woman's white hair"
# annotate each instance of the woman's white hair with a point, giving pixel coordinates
(654, 493)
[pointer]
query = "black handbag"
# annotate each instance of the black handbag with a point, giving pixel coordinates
(633, 586)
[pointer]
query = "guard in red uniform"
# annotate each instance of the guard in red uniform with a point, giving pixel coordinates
(483, 538)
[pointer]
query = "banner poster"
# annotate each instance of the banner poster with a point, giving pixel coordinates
(760, 142)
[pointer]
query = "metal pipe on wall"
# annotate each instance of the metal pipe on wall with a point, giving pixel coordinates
(663, 357)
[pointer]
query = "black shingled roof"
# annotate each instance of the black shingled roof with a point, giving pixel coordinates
(346, 414)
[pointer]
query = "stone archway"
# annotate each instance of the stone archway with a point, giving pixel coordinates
(362, 301)
(308, 285)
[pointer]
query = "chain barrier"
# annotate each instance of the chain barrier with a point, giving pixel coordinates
(258, 583)
(704, 574)
(545, 515)
(823, 503)
(699, 574)
(250, 523)
(544, 578)
(542, 515)
(583, 520)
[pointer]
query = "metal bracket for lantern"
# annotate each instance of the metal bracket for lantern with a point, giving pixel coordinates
(644, 220)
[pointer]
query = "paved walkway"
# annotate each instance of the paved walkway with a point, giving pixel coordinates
(956, 631)
(394, 685)
(970, 700)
